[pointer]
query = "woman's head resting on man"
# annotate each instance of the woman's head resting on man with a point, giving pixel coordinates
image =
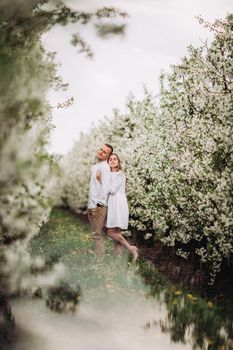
(114, 162)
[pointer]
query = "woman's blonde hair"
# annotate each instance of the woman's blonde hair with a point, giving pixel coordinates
(119, 161)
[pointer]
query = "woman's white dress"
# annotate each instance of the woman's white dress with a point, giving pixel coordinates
(118, 212)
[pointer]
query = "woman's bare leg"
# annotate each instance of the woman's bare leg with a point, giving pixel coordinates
(116, 235)
(117, 248)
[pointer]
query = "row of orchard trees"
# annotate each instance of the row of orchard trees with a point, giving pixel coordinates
(27, 72)
(177, 153)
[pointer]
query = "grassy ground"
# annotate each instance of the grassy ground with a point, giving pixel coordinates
(69, 239)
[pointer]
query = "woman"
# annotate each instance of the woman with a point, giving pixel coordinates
(118, 214)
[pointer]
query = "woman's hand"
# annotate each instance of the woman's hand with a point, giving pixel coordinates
(98, 175)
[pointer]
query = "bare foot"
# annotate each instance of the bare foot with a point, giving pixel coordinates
(134, 252)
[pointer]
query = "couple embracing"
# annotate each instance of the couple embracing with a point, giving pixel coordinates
(107, 203)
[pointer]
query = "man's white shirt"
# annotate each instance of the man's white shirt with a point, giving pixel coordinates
(99, 191)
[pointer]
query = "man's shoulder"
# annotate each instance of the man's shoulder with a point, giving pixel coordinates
(104, 165)
(94, 167)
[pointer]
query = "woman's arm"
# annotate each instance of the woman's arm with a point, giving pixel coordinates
(116, 183)
(98, 175)
(105, 185)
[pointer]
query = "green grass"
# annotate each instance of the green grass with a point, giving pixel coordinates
(66, 237)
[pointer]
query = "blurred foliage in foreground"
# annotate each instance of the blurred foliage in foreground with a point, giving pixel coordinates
(27, 72)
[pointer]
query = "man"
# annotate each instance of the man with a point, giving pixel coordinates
(98, 197)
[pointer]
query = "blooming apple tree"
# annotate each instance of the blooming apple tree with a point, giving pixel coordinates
(177, 154)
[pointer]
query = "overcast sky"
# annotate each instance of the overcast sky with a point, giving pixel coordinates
(157, 35)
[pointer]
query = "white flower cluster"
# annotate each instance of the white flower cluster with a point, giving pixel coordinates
(25, 166)
(177, 155)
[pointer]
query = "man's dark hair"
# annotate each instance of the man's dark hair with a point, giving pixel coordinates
(109, 146)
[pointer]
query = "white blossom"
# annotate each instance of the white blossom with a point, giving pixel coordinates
(177, 154)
